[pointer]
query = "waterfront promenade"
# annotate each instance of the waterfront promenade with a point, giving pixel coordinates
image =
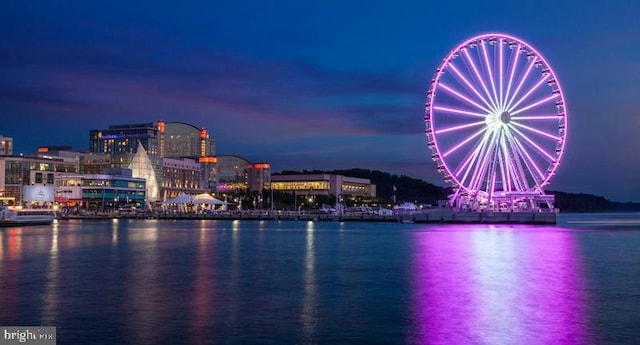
(435, 215)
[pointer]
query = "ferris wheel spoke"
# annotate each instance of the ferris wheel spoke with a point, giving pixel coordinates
(539, 117)
(503, 176)
(532, 143)
(530, 162)
(464, 142)
(480, 169)
(468, 84)
(475, 70)
(500, 67)
(537, 131)
(522, 80)
(519, 173)
(464, 98)
(483, 44)
(471, 158)
(542, 80)
(535, 104)
(513, 70)
(507, 163)
(459, 111)
(456, 128)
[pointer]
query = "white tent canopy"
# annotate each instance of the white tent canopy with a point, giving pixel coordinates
(180, 199)
(206, 198)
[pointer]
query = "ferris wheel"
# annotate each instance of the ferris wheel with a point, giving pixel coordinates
(496, 121)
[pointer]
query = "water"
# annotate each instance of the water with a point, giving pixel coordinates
(249, 282)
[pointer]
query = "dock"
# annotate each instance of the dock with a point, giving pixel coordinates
(436, 215)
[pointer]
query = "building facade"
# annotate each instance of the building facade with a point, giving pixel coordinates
(19, 171)
(100, 191)
(323, 184)
(180, 175)
(6, 146)
(236, 175)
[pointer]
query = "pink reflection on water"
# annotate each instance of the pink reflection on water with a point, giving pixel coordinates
(479, 284)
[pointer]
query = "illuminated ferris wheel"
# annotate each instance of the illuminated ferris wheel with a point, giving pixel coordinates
(496, 122)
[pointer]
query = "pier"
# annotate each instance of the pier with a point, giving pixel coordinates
(437, 215)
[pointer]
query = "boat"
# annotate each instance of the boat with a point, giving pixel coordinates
(15, 216)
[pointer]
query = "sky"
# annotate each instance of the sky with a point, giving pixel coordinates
(312, 84)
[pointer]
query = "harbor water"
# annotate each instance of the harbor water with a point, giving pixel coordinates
(294, 282)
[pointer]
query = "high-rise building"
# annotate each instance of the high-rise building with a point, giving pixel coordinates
(185, 140)
(6, 146)
(123, 139)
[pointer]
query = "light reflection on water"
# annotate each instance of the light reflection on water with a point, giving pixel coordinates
(202, 282)
(498, 285)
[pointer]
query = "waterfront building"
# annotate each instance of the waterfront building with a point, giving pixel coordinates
(142, 167)
(185, 140)
(180, 175)
(101, 191)
(160, 140)
(323, 184)
(6, 146)
(19, 171)
(124, 139)
(236, 175)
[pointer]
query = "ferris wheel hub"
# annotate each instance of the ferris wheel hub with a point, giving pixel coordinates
(505, 117)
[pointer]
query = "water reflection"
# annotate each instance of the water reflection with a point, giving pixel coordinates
(203, 304)
(50, 296)
(502, 285)
(309, 317)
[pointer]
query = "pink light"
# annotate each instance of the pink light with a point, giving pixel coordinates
(459, 95)
(486, 60)
(500, 67)
(459, 111)
(466, 81)
(464, 142)
(515, 168)
(534, 104)
(541, 117)
(471, 160)
(534, 144)
(513, 70)
(526, 155)
(537, 131)
(484, 87)
(473, 124)
(526, 75)
(542, 80)
(507, 284)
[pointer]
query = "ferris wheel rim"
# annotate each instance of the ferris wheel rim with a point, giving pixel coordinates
(436, 82)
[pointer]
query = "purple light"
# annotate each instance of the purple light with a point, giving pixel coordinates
(475, 70)
(541, 117)
(458, 111)
(486, 60)
(464, 142)
(499, 154)
(473, 124)
(533, 144)
(526, 74)
(459, 95)
(537, 131)
(466, 81)
(518, 285)
(513, 70)
(534, 104)
(542, 80)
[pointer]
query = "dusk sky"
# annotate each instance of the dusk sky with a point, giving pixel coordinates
(311, 84)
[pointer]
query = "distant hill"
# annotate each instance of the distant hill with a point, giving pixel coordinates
(421, 192)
